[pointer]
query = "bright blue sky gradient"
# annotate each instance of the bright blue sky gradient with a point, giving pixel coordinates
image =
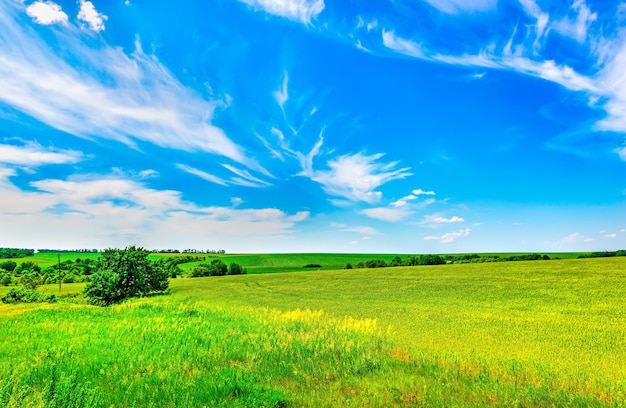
(313, 125)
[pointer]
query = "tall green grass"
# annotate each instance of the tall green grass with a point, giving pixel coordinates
(508, 334)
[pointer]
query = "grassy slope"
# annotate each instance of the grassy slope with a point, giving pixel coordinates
(525, 333)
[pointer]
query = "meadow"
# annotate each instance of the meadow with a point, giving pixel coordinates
(538, 333)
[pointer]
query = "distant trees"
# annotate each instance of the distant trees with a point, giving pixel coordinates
(125, 273)
(16, 252)
(217, 267)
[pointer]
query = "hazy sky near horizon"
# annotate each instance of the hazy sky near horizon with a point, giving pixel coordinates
(403, 126)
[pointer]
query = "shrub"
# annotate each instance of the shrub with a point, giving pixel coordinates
(311, 265)
(236, 269)
(27, 296)
(5, 279)
(348, 266)
(30, 281)
(199, 271)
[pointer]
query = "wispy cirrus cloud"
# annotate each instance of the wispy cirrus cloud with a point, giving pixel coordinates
(462, 6)
(241, 178)
(33, 155)
(302, 11)
(388, 214)
(356, 176)
(361, 229)
(132, 98)
(593, 68)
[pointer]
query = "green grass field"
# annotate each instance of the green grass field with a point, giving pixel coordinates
(539, 333)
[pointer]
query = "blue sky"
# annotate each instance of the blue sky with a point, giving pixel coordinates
(403, 126)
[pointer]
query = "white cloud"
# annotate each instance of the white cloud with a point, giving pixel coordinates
(613, 235)
(354, 176)
(437, 219)
(386, 213)
(403, 201)
(91, 16)
(577, 29)
(33, 155)
(450, 236)
(623, 230)
(401, 45)
(245, 178)
(296, 10)
(140, 100)
(46, 13)
(358, 229)
(282, 95)
(419, 192)
(462, 6)
(106, 211)
(621, 152)
(202, 174)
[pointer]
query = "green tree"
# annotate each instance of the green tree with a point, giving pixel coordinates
(218, 268)
(124, 273)
(30, 281)
(396, 261)
(8, 266)
(236, 269)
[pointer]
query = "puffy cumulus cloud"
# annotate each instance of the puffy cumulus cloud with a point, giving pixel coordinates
(104, 92)
(356, 177)
(438, 219)
(34, 155)
(302, 11)
(91, 16)
(450, 236)
(46, 13)
(103, 211)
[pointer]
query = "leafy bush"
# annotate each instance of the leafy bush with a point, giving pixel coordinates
(236, 269)
(30, 281)
(124, 273)
(312, 265)
(5, 279)
(199, 271)
(27, 296)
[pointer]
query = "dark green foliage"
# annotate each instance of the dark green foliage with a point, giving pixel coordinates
(8, 266)
(30, 281)
(124, 273)
(218, 267)
(605, 254)
(431, 260)
(396, 261)
(348, 266)
(375, 263)
(199, 271)
(236, 269)
(27, 296)
(16, 252)
(104, 288)
(312, 265)
(5, 279)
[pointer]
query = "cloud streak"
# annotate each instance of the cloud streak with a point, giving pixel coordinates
(302, 11)
(134, 98)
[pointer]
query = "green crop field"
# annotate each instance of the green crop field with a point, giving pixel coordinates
(538, 333)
